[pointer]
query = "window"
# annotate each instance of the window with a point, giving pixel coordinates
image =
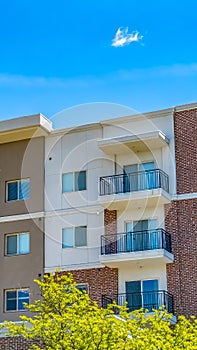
(18, 243)
(14, 299)
(73, 237)
(83, 287)
(17, 190)
(74, 181)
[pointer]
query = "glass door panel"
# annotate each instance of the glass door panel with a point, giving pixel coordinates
(154, 238)
(147, 178)
(129, 236)
(130, 182)
(150, 294)
(140, 234)
(133, 295)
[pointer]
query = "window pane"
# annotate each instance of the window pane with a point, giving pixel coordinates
(24, 189)
(133, 295)
(24, 293)
(83, 287)
(81, 236)
(24, 243)
(67, 238)
(12, 188)
(80, 181)
(11, 245)
(23, 297)
(147, 166)
(11, 305)
(150, 285)
(11, 294)
(67, 182)
(11, 301)
(21, 305)
(150, 295)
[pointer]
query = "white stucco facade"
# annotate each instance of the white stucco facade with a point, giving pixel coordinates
(91, 149)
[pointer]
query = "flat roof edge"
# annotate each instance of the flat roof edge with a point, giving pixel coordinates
(25, 122)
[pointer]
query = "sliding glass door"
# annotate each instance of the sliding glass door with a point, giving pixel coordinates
(142, 294)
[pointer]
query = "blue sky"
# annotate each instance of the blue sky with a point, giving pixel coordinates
(59, 54)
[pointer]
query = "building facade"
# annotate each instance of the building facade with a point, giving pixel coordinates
(121, 208)
(112, 202)
(22, 143)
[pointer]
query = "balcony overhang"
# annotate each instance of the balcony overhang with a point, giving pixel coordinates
(136, 199)
(126, 259)
(24, 128)
(135, 143)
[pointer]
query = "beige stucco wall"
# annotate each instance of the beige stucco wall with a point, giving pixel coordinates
(22, 159)
(19, 271)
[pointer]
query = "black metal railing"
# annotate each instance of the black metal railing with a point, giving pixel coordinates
(147, 300)
(136, 241)
(138, 181)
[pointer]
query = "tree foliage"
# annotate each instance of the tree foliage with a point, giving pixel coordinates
(65, 319)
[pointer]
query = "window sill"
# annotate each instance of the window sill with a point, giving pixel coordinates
(82, 247)
(74, 191)
(12, 311)
(17, 200)
(10, 255)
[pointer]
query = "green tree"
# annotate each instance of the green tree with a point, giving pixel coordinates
(66, 319)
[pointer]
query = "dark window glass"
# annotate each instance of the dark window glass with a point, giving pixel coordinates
(11, 301)
(83, 287)
(12, 244)
(80, 181)
(12, 191)
(80, 236)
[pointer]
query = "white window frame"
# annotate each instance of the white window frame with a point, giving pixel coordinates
(16, 181)
(73, 181)
(74, 238)
(17, 291)
(17, 242)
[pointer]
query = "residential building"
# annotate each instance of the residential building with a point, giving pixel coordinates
(116, 201)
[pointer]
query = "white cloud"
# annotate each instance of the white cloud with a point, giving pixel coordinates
(123, 38)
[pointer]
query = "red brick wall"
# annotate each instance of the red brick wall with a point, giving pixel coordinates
(185, 129)
(100, 281)
(181, 222)
(110, 221)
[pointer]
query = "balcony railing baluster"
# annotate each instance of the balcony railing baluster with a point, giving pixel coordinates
(147, 300)
(136, 241)
(138, 181)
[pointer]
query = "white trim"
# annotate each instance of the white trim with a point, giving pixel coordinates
(72, 267)
(114, 260)
(22, 217)
(185, 107)
(133, 138)
(93, 209)
(179, 197)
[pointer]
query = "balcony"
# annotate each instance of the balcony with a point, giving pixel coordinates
(124, 248)
(147, 300)
(150, 186)
(125, 144)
